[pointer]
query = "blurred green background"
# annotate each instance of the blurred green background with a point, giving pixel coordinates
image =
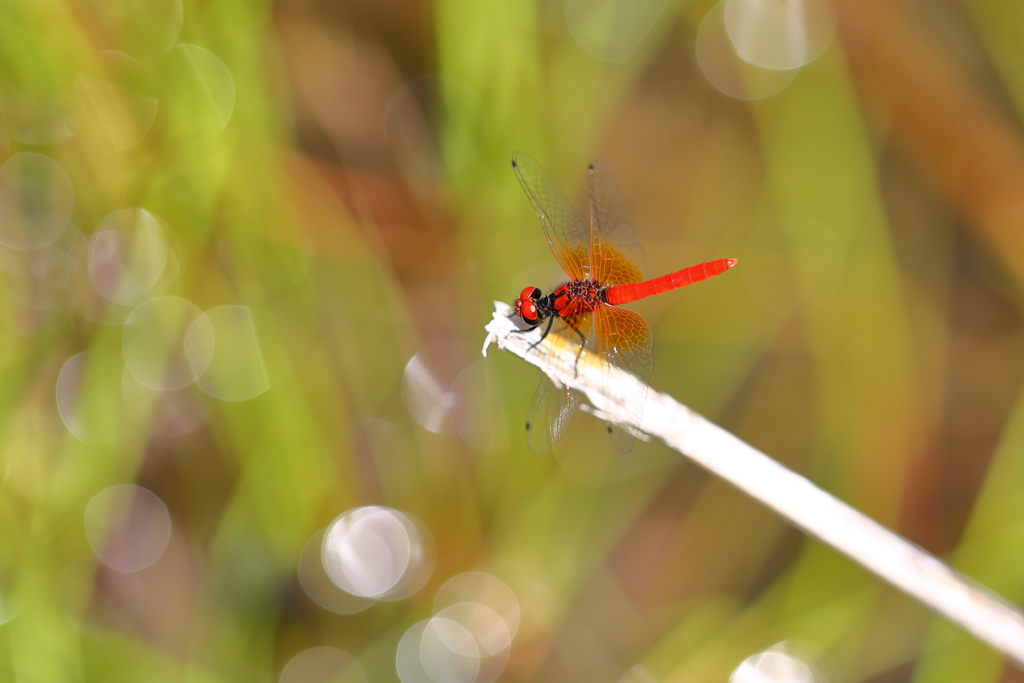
(248, 250)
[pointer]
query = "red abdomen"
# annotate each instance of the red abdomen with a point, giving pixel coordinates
(623, 294)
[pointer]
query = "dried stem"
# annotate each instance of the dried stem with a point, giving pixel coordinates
(976, 609)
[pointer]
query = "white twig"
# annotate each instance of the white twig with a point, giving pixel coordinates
(939, 587)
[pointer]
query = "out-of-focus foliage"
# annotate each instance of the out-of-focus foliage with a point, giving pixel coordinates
(247, 252)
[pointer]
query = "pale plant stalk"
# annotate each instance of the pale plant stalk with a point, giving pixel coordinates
(962, 601)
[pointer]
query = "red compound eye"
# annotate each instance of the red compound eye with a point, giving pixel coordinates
(526, 305)
(530, 293)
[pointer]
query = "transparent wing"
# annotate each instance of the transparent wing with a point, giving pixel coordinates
(611, 267)
(623, 437)
(554, 408)
(616, 256)
(623, 340)
(567, 235)
(550, 415)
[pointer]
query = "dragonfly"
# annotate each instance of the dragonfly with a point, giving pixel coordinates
(604, 263)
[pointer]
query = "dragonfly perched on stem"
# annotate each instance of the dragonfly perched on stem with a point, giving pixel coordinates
(604, 263)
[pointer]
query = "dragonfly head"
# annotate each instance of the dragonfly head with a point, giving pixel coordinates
(526, 306)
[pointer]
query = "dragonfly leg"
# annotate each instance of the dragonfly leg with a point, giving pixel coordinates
(547, 329)
(583, 345)
(542, 337)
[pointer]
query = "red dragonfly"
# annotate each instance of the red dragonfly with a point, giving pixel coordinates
(604, 263)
